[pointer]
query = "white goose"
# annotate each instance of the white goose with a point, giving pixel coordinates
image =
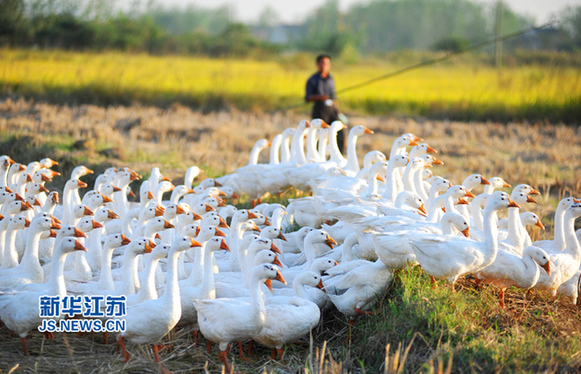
(224, 321)
(148, 322)
(19, 311)
(451, 257)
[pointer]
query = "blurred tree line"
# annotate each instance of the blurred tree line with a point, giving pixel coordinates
(377, 26)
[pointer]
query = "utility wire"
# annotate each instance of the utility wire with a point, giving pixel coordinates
(435, 60)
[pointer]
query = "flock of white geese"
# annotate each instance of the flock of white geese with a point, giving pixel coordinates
(180, 263)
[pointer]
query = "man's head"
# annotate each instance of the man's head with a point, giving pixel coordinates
(324, 64)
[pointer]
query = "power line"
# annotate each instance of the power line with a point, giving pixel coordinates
(435, 60)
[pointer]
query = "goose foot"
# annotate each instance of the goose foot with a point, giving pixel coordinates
(433, 281)
(364, 313)
(106, 337)
(251, 348)
(48, 335)
(223, 356)
(121, 344)
(241, 354)
(209, 347)
(501, 302)
(195, 335)
(23, 342)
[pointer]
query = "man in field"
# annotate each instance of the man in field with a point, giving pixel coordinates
(321, 91)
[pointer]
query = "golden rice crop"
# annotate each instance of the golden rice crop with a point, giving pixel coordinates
(460, 90)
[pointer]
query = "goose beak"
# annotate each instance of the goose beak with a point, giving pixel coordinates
(97, 225)
(44, 178)
(540, 224)
(469, 194)
(134, 176)
(36, 203)
(483, 180)
(530, 200)
(88, 212)
(149, 245)
(112, 215)
(506, 185)
(274, 248)
(281, 236)
(466, 232)
(166, 179)
(428, 165)
(218, 232)
(324, 124)
(321, 286)
(157, 236)
(209, 208)
(52, 234)
(197, 216)
(221, 204)
(234, 195)
(82, 184)
(189, 191)
(168, 225)
(44, 189)
(195, 243)
(252, 215)
(224, 246)
(279, 277)
(345, 127)
(512, 204)
(534, 192)
(79, 246)
(21, 167)
(198, 228)
(367, 131)
(437, 161)
(18, 197)
(124, 240)
(55, 226)
(79, 233)
(179, 210)
(422, 209)
(576, 201)
(117, 189)
(268, 283)
(106, 199)
(159, 211)
(461, 201)
(417, 138)
(380, 178)
(26, 222)
(224, 224)
(266, 221)
(55, 219)
(28, 178)
(131, 193)
(55, 198)
(413, 143)
(547, 267)
(307, 124)
(430, 149)
(330, 241)
(149, 195)
(277, 261)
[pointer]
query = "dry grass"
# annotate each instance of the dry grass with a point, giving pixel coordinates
(544, 155)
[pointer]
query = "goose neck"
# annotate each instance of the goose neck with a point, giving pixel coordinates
(106, 279)
(352, 160)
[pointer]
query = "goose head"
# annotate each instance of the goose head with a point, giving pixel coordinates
(474, 180)
(18, 222)
(498, 182)
(308, 278)
(68, 245)
(500, 200)
(157, 224)
(399, 161)
(88, 224)
(521, 198)
(272, 232)
(525, 188)
(32, 201)
(183, 243)
(68, 230)
(80, 171)
(81, 210)
(107, 189)
(209, 182)
(105, 215)
(421, 149)
(214, 220)
(73, 184)
(139, 246)
(431, 160)
(6, 161)
(322, 264)
(458, 191)
(440, 185)
(172, 211)
(115, 241)
(267, 272)
(373, 157)
(266, 257)
(458, 221)
(217, 243)
(48, 163)
(530, 218)
(320, 237)
(540, 257)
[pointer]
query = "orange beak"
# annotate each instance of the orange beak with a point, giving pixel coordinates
(168, 225)
(79, 246)
(96, 225)
(223, 245)
(512, 204)
(55, 226)
(466, 232)
(324, 124)
(367, 131)
(88, 212)
(124, 240)
(195, 243)
(534, 192)
(483, 181)
(380, 178)
(79, 233)
(82, 184)
(26, 222)
(531, 200)
(106, 199)
(469, 194)
(252, 215)
(52, 234)
(330, 241)
(149, 245)
(277, 261)
(149, 195)
(112, 215)
(279, 277)
(44, 189)
(281, 236)
(547, 267)
(209, 208)
(540, 224)
(180, 210)
(506, 185)
(224, 224)
(430, 149)
(218, 232)
(274, 248)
